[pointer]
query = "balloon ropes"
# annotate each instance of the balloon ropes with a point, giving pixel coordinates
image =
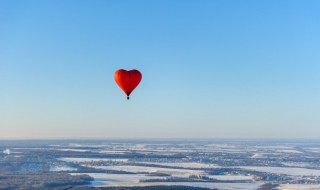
(127, 80)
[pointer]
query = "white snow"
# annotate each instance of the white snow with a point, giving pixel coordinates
(183, 164)
(6, 151)
(257, 155)
(136, 169)
(284, 170)
(61, 168)
(231, 177)
(314, 150)
(113, 152)
(296, 164)
(298, 187)
(289, 151)
(65, 159)
(107, 180)
(103, 179)
(73, 150)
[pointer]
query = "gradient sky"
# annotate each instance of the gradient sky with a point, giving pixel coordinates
(211, 69)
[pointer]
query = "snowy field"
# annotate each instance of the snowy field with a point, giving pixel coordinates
(230, 177)
(283, 170)
(107, 180)
(74, 150)
(113, 152)
(183, 164)
(299, 187)
(141, 169)
(61, 168)
(217, 156)
(78, 160)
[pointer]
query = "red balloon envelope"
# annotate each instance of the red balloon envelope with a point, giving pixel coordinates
(127, 80)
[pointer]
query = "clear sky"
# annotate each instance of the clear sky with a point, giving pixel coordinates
(211, 69)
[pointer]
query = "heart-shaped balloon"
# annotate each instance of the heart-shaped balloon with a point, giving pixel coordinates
(127, 80)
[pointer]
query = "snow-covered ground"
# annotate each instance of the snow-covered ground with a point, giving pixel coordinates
(298, 187)
(295, 167)
(220, 186)
(284, 170)
(296, 164)
(289, 151)
(105, 180)
(73, 150)
(274, 147)
(137, 169)
(313, 150)
(113, 152)
(258, 155)
(61, 168)
(183, 164)
(78, 160)
(230, 177)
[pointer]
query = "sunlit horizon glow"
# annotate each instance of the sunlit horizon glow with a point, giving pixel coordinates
(211, 69)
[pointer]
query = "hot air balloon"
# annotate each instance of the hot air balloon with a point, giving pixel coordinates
(127, 80)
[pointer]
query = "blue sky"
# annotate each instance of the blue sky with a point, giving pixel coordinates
(211, 69)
